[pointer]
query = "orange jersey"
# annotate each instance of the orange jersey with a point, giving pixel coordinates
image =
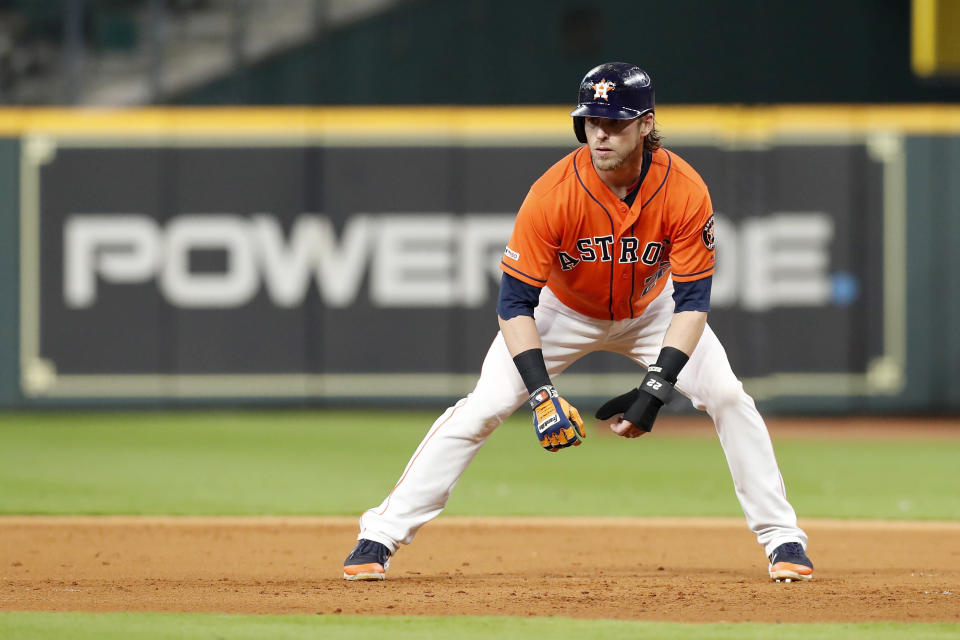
(600, 257)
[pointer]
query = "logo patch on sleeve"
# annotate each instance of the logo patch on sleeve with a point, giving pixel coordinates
(510, 253)
(709, 241)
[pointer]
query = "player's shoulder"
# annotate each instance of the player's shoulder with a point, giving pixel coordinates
(560, 175)
(679, 169)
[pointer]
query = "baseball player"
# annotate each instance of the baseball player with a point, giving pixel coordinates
(613, 250)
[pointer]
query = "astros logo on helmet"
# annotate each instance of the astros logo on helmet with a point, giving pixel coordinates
(601, 89)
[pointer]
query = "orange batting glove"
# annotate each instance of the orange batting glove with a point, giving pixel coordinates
(556, 422)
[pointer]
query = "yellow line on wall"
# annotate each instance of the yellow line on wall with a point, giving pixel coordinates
(467, 123)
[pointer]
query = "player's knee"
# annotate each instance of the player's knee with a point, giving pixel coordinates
(485, 416)
(727, 394)
(480, 428)
(492, 423)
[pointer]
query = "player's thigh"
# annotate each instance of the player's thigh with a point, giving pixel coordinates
(500, 389)
(707, 378)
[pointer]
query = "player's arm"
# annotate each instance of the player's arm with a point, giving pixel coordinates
(639, 407)
(691, 302)
(685, 330)
(556, 423)
(520, 333)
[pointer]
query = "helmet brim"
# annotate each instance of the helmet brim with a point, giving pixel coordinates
(601, 110)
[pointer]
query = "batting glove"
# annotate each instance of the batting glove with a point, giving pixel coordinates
(556, 422)
(639, 406)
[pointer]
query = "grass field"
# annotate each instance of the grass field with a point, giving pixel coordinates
(341, 462)
(283, 463)
(155, 626)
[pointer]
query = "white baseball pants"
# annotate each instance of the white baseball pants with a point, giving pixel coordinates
(707, 379)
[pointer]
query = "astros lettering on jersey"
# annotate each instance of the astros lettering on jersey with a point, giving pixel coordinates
(600, 257)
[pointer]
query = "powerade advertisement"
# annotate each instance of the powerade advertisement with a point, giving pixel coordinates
(317, 270)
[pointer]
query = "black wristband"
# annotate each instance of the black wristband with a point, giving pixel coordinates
(532, 369)
(657, 386)
(669, 363)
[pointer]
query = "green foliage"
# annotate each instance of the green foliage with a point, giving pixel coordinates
(342, 462)
(168, 626)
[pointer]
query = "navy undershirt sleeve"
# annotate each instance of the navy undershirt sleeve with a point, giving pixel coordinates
(693, 295)
(517, 298)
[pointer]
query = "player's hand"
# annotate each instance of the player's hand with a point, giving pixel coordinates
(638, 407)
(556, 423)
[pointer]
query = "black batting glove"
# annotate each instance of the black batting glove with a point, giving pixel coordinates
(640, 406)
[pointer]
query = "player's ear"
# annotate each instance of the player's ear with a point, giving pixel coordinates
(646, 123)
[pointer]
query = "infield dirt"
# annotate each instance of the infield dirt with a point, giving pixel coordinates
(691, 570)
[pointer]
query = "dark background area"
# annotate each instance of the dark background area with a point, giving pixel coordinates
(535, 51)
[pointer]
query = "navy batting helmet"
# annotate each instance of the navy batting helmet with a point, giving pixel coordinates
(615, 90)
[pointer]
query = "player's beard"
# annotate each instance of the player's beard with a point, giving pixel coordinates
(615, 162)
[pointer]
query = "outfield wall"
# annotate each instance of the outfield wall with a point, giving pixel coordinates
(345, 255)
